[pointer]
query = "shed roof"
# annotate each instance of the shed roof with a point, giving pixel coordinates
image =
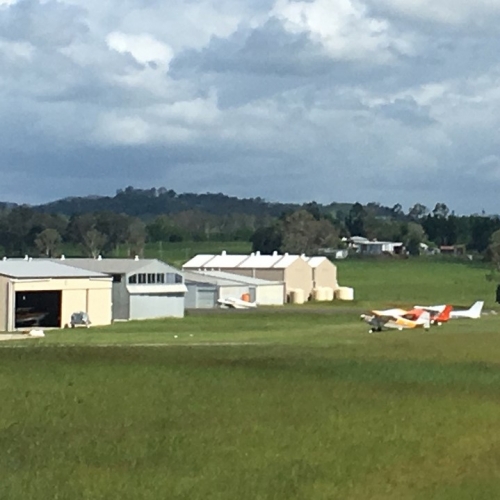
(315, 262)
(247, 280)
(43, 268)
(225, 261)
(285, 261)
(205, 277)
(112, 266)
(198, 261)
(258, 261)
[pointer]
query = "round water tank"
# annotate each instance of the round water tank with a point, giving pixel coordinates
(329, 294)
(345, 293)
(297, 296)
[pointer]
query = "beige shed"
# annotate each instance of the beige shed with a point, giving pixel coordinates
(324, 272)
(40, 293)
(292, 270)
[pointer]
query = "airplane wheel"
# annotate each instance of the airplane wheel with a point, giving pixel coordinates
(439, 323)
(370, 331)
(400, 329)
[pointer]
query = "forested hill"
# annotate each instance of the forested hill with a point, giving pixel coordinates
(149, 203)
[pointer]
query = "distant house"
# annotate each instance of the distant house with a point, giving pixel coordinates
(452, 249)
(364, 246)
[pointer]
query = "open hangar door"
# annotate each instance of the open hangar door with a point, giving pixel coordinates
(39, 308)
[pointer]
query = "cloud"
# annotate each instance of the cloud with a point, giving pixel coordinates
(290, 100)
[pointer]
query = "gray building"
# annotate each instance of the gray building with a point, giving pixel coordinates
(142, 288)
(205, 288)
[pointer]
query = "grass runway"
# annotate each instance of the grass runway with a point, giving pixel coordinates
(300, 404)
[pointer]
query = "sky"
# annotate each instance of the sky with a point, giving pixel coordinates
(388, 101)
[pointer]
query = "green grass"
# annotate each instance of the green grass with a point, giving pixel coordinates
(302, 405)
(417, 280)
(273, 404)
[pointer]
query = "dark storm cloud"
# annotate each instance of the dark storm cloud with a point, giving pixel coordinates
(372, 101)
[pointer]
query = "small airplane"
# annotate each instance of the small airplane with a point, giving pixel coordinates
(474, 312)
(396, 319)
(233, 303)
(437, 317)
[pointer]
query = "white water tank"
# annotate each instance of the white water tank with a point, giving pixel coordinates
(297, 296)
(345, 293)
(329, 293)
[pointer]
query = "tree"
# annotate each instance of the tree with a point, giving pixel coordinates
(268, 239)
(418, 211)
(355, 221)
(93, 242)
(493, 252)
(48, 241)
(302, 233)
(136, 237)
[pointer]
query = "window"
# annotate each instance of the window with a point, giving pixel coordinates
(142, 278)
(151, 278)
(132, 279)
(117, 278)
(170, 278)
(160, 278)
(178, 278)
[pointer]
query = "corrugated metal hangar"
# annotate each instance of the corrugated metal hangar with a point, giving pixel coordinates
(46, 294)
(205, 288)
(297, 272)
(142, 288)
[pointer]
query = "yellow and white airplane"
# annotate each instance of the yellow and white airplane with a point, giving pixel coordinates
(398, 319)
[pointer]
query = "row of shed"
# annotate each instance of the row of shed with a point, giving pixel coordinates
(296, 272)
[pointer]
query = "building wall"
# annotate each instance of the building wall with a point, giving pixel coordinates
(201, 296)
(4, 284)
(270, 295)
(149, 306)
(298, 275)
(325, 275)
(120, 300)
(92, 296)
(235, 292)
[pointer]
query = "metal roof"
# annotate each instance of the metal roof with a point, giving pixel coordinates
(315, 261)
(225, 261)
(207, 278)
(112, 265)
(43, 268)
(258, 261)
(285, 261)
(247, 280)
(198, 261)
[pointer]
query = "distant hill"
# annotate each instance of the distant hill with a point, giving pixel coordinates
(148, 203)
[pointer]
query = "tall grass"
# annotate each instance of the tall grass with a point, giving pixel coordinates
(389, 416)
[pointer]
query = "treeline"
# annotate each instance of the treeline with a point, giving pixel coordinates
(26, 231)
(100, 225)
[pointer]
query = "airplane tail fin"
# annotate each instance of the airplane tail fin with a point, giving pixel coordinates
(444, 315)
(475, 310)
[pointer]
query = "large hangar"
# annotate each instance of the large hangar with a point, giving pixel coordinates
(45, 294)
(142, 288)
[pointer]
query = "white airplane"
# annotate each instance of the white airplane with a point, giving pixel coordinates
(474, 312)
(233, 303)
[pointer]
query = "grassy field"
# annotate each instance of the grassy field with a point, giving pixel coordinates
(273, 404)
